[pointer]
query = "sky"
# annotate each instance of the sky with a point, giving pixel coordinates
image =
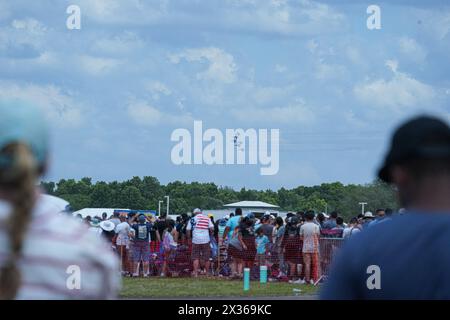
(115, 90)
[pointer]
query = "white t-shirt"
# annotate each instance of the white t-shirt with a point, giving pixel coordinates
(200, 225)
(53, 243)
(310, 233)
(350, 231)
(122, 230)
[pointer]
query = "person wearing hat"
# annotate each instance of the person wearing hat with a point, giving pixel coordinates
(406, 257)
(108, 231)
(367, 219)
(95, 227)
(26, 270)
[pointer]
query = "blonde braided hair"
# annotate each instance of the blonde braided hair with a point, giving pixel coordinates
(18, 181)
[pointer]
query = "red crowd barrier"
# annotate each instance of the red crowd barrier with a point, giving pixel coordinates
(279, 261)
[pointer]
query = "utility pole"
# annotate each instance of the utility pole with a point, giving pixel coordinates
(168, 202)
(362, 204)
(159, 207)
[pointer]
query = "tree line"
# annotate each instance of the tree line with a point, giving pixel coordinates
(144, 193)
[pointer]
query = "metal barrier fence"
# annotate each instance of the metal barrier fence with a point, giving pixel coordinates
(283, 259)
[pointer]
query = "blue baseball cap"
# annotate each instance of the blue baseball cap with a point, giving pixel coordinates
(142, 218)
(23, 122)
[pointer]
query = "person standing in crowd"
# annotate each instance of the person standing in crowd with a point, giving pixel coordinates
(367, 219)
(169, 244)
(123, 232)
(199, 230)
(141, 244)
(115, 218)
(236, 249)
(278, 250)
(331, 222)
(108, 232)
(310, 234)
(95, 227)
(246, 236)
(233, 223)
(30, 226)
(411, 258)
(320, 220)
(339, 229)
(266, 227)
(104, 216)
(291, 245)
(262, 247)
(222, 225)
(352, 229)
(380, 215)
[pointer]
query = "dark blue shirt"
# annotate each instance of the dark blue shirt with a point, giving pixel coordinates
(142, 231)
(412, 252)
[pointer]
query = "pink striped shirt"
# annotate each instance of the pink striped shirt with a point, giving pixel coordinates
(53, 246)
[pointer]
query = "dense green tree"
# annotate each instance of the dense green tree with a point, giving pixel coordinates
(145, 193)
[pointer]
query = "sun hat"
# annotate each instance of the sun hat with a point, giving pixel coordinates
(107, 225)
(368, 214)
(423, 137)
(23, 122)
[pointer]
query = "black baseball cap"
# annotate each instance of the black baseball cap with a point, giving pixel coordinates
(423, 137)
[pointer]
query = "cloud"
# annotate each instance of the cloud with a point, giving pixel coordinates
(412, 49)
(288, 18)
(30, 26)
(325, 71)
(157, 88)
(98, 66)
(60, 108)
(297, 17)
(145, 114)
(280, 68)
(122, 44)
(401, 92)
(297, 113)
(22, 39)
(221, 65)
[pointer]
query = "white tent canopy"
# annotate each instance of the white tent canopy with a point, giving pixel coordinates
(96, 212)
(251, 204)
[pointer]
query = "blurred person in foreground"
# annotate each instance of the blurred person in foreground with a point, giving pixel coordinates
(37, 245)
(410, 250)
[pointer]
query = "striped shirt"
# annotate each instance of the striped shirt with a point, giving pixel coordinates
(200, 225)
(58, 253)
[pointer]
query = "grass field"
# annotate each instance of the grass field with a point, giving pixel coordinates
(205, 288)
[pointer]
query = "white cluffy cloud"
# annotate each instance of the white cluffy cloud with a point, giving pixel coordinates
(294, 113)
(98, 66)
(145, 114)
(412, 49)
(399, 93)
(60, 108)
(221, 65)
(29, 25)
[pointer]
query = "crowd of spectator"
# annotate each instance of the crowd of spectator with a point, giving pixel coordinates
(197, 245)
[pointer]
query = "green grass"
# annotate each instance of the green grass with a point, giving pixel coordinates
(206, 288)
